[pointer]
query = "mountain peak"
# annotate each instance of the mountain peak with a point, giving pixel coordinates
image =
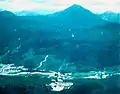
(6, 13)
(75, 7)
(78, 15)
(110, 16)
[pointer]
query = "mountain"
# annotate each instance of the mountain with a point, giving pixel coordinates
(75, 35)
(74, 21)
(74, 16)
(27, 13)
(6, 13)
(110, 16)
(78, 17)
(1, 10)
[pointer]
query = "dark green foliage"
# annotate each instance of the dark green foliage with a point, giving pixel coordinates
(95, 41)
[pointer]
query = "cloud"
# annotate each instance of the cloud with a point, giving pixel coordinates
(55, 5)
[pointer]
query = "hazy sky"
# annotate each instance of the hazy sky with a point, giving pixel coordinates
(49, 6)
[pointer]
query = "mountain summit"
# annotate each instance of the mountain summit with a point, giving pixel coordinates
(78, 16)
(110, 16)
(77, 8)
(74, 9)
(6, 13)
(74, 17)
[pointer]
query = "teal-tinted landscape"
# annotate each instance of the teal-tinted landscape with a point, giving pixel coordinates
(72, 51)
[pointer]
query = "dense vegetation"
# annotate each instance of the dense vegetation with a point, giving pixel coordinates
(74, 36)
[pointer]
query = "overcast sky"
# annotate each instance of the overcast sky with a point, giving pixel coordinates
(49, 6)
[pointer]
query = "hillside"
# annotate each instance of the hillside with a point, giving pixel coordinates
(74, 36)
(111, 16)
